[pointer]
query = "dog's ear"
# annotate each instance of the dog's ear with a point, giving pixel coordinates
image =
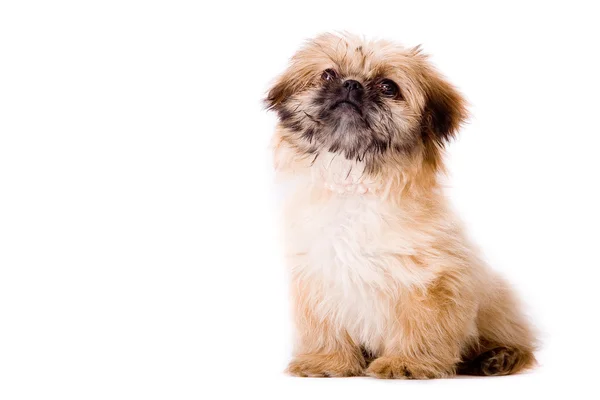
(279, 92)
(302, 71)
(445, 109)
(297, 77)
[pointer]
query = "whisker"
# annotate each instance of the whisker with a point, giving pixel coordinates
(350, 170)
(313, 119)
(334, 156)
(314, 159)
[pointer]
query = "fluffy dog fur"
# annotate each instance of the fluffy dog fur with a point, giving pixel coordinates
(384, 281)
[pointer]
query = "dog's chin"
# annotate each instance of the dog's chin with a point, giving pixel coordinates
(345, 115)
(347, 107)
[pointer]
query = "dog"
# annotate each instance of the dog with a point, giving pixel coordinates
(384, 281)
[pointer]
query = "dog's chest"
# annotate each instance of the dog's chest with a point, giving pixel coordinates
(343, 239)
(349, 251)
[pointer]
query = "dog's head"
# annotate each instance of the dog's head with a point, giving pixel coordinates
(370, 101)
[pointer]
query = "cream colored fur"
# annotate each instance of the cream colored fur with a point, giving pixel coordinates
(384, 280)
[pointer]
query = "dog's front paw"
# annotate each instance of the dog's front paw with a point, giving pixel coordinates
(324, 365)
(400, 368)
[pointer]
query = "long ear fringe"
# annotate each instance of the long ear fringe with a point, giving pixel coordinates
(290, 82)
(274, 96)
(445, 111)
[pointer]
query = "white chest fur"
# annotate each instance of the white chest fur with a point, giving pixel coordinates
(351, 251)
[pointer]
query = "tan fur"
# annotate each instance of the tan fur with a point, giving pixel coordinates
(388, 278)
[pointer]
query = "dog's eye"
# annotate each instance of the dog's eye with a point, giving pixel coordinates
(388, 88)
(329, 75)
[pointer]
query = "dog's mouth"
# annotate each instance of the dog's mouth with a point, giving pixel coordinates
(347, 104)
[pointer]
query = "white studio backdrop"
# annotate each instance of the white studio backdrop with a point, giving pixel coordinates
(139, 241)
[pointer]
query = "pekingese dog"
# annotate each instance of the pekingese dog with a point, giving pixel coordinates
(384, 280)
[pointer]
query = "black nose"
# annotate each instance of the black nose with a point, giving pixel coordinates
(351, 84)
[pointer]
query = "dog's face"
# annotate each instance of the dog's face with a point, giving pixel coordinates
(368, 101)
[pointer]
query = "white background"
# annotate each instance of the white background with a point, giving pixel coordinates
(139, 252)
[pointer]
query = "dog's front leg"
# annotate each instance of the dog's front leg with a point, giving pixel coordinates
(431, 328)
(322, 348)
